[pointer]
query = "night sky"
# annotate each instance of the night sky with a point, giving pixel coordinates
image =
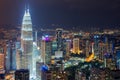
(62, 12)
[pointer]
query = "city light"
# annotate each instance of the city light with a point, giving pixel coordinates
(60, 40)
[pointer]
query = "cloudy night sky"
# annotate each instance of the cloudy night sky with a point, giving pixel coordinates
(62, 12)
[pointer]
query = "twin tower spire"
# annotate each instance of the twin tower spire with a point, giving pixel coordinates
(27, 42)
(27, 17)
(27, 10)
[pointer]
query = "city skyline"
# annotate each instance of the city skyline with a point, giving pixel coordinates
(64, 13)
(59, 40)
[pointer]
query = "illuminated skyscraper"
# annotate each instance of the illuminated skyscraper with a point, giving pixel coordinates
(68, 47)
(43, 51)
(59, 38)
(18, 51)
(2, 65)
(76, 46)
(101, 50)
(27, 42)
(2, 57)
(46, 49)
(2, 61)
(87, 50)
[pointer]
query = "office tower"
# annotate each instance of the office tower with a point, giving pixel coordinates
(46, 49)
(87, 50)
(48, 52)
(8, 63)
(59, 39)
(2, 56)
(68, 47)
(27, 42)
(118, 59)
(13, 56)
(10, 56)
(54, 47)
(101, 50)
(96, 40)
(107, 44)
(18, 59)
(43, 51)
(76, 46)
(22, 74)
(18, 55)
(2, 62)
(92, 55)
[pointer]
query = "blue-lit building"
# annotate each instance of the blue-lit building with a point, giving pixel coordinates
(11, 56)
(45, 73)
(8, 63)
(118, 58)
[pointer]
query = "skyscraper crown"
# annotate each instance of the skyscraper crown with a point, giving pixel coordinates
(27, 13)
(27, 17)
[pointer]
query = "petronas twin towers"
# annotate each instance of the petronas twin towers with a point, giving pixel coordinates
(27, 43)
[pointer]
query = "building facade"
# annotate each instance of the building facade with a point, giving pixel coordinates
(27, 42)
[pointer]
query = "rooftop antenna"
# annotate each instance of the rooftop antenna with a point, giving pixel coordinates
(26, 6)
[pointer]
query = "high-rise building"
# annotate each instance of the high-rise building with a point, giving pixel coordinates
(54, 47)
(59, 38)
(27, 42)
(18, 54)
(68, 47)
(2, 61)
(76, 46)
(8, 58)
(2, 57)
(46, 49)
(43, 51)
(2, 66)
(87, 46)
(96, 41)
(101, 50)
(118, 59)
(18, 59)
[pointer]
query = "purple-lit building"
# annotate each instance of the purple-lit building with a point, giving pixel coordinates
(46, 49)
